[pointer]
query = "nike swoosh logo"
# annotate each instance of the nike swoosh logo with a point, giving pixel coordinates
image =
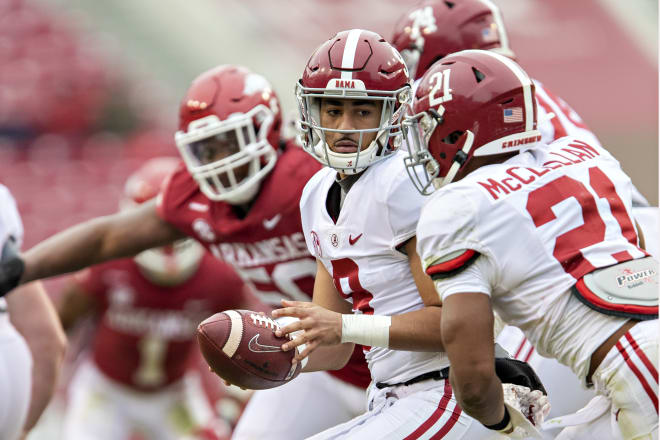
(271, 223)
(352, 240)
(256, 347)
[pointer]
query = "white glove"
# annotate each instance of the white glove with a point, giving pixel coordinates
(526, 409)
(534, 405)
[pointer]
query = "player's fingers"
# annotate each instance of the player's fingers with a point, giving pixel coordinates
(299, 340)
(309, 348)
(289, 328)
(303, 304)
(296, 312)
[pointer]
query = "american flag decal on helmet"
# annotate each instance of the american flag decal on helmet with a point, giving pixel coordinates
(514, 114)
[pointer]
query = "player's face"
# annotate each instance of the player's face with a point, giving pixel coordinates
(216, 147)
(219, 147)
(350, 114)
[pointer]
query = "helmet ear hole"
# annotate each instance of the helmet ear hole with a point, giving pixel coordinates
(453, 137)
(478, 75)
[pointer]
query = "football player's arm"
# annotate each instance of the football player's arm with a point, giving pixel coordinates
(467, 335)
(321, 322)
(418, 330)
(123, 234)
(35, 318)
(75, 304)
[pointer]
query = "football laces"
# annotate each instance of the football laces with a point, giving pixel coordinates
(264, 321)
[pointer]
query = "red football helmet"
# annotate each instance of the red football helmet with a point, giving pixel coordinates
(472, 103)
(229, 119)
(437, 28)
(354, 64)
(167, 265)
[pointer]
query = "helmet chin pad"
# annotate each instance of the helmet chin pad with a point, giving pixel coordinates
(347, 163)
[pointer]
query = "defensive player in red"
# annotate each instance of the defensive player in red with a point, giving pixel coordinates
(139, 378)
(238, 195)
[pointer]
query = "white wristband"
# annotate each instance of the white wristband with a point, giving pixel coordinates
(370, 330)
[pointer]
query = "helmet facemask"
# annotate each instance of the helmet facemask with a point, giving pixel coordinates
(388, 132)
(422, 168)
(217, 153)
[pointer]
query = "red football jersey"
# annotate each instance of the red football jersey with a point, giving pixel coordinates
(145, 335)
(267, 246)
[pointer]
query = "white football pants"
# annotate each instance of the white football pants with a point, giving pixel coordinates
(629, 377)
(102, 409)
(626, 407)
(15, 380)
(308, 404)
(425, 410)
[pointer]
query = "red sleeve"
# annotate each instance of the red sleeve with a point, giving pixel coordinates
(177, 188)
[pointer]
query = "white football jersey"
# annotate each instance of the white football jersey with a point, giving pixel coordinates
(567, 122)
(10, 224)
(540, 221)
(10, 221)
(360, 252)
(557, 119)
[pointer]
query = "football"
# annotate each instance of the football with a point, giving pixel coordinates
(241, 347)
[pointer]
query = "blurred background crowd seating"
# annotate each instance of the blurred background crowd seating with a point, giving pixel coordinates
(74, 123)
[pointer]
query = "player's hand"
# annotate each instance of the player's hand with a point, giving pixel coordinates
(523, 389)
(11, 267)
(527, 410)
(316, 326)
